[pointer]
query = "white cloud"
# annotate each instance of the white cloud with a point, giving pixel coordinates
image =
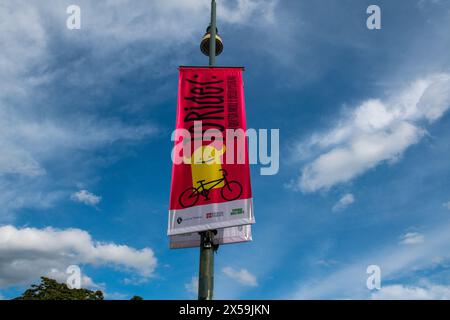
(374, 132)
(245, 10)
(45, 142)
(401, 292)
(24, 194)
(412, 238)
(446, 205)
(243, 276)
(29, 253)
(86, 197)
(344, 202)
(53, 98)
(155, 18)
(192, 286)
(349, 281)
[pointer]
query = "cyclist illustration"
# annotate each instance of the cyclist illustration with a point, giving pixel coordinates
(230, 190)
(207, 174)
(206, 164)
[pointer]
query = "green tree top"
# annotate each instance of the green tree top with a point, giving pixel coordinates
(50, 289)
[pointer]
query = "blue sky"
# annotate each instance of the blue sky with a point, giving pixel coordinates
(364, 138)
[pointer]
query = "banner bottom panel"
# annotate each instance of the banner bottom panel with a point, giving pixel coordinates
(211, 216)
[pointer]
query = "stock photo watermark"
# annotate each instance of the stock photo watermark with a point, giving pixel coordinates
(73, 22)
(74, 279)
(374, 20)
(190, 148)
(374, 280)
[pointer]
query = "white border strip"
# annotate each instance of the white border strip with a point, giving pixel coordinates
(211, 216)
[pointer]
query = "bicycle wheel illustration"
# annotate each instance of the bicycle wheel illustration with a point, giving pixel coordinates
(231, 191)
(189, 197)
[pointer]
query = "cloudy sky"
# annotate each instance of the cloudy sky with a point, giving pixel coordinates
(85, 123)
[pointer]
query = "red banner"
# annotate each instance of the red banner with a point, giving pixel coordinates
(210, 175)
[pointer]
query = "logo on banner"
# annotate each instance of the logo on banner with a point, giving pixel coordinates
(210, 215)
(237, 211)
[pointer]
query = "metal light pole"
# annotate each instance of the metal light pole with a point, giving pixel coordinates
(207, 247)
(206, 270)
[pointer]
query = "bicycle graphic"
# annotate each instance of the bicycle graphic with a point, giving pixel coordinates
(231, 190)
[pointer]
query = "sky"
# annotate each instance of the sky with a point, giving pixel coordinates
(85, 123)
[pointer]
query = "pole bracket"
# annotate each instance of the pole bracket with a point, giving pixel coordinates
(207, 240)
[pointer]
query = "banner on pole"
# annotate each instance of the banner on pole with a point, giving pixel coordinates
(224, 236)
(210, 174)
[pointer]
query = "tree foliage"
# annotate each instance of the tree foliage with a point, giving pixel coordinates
(50, 289)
